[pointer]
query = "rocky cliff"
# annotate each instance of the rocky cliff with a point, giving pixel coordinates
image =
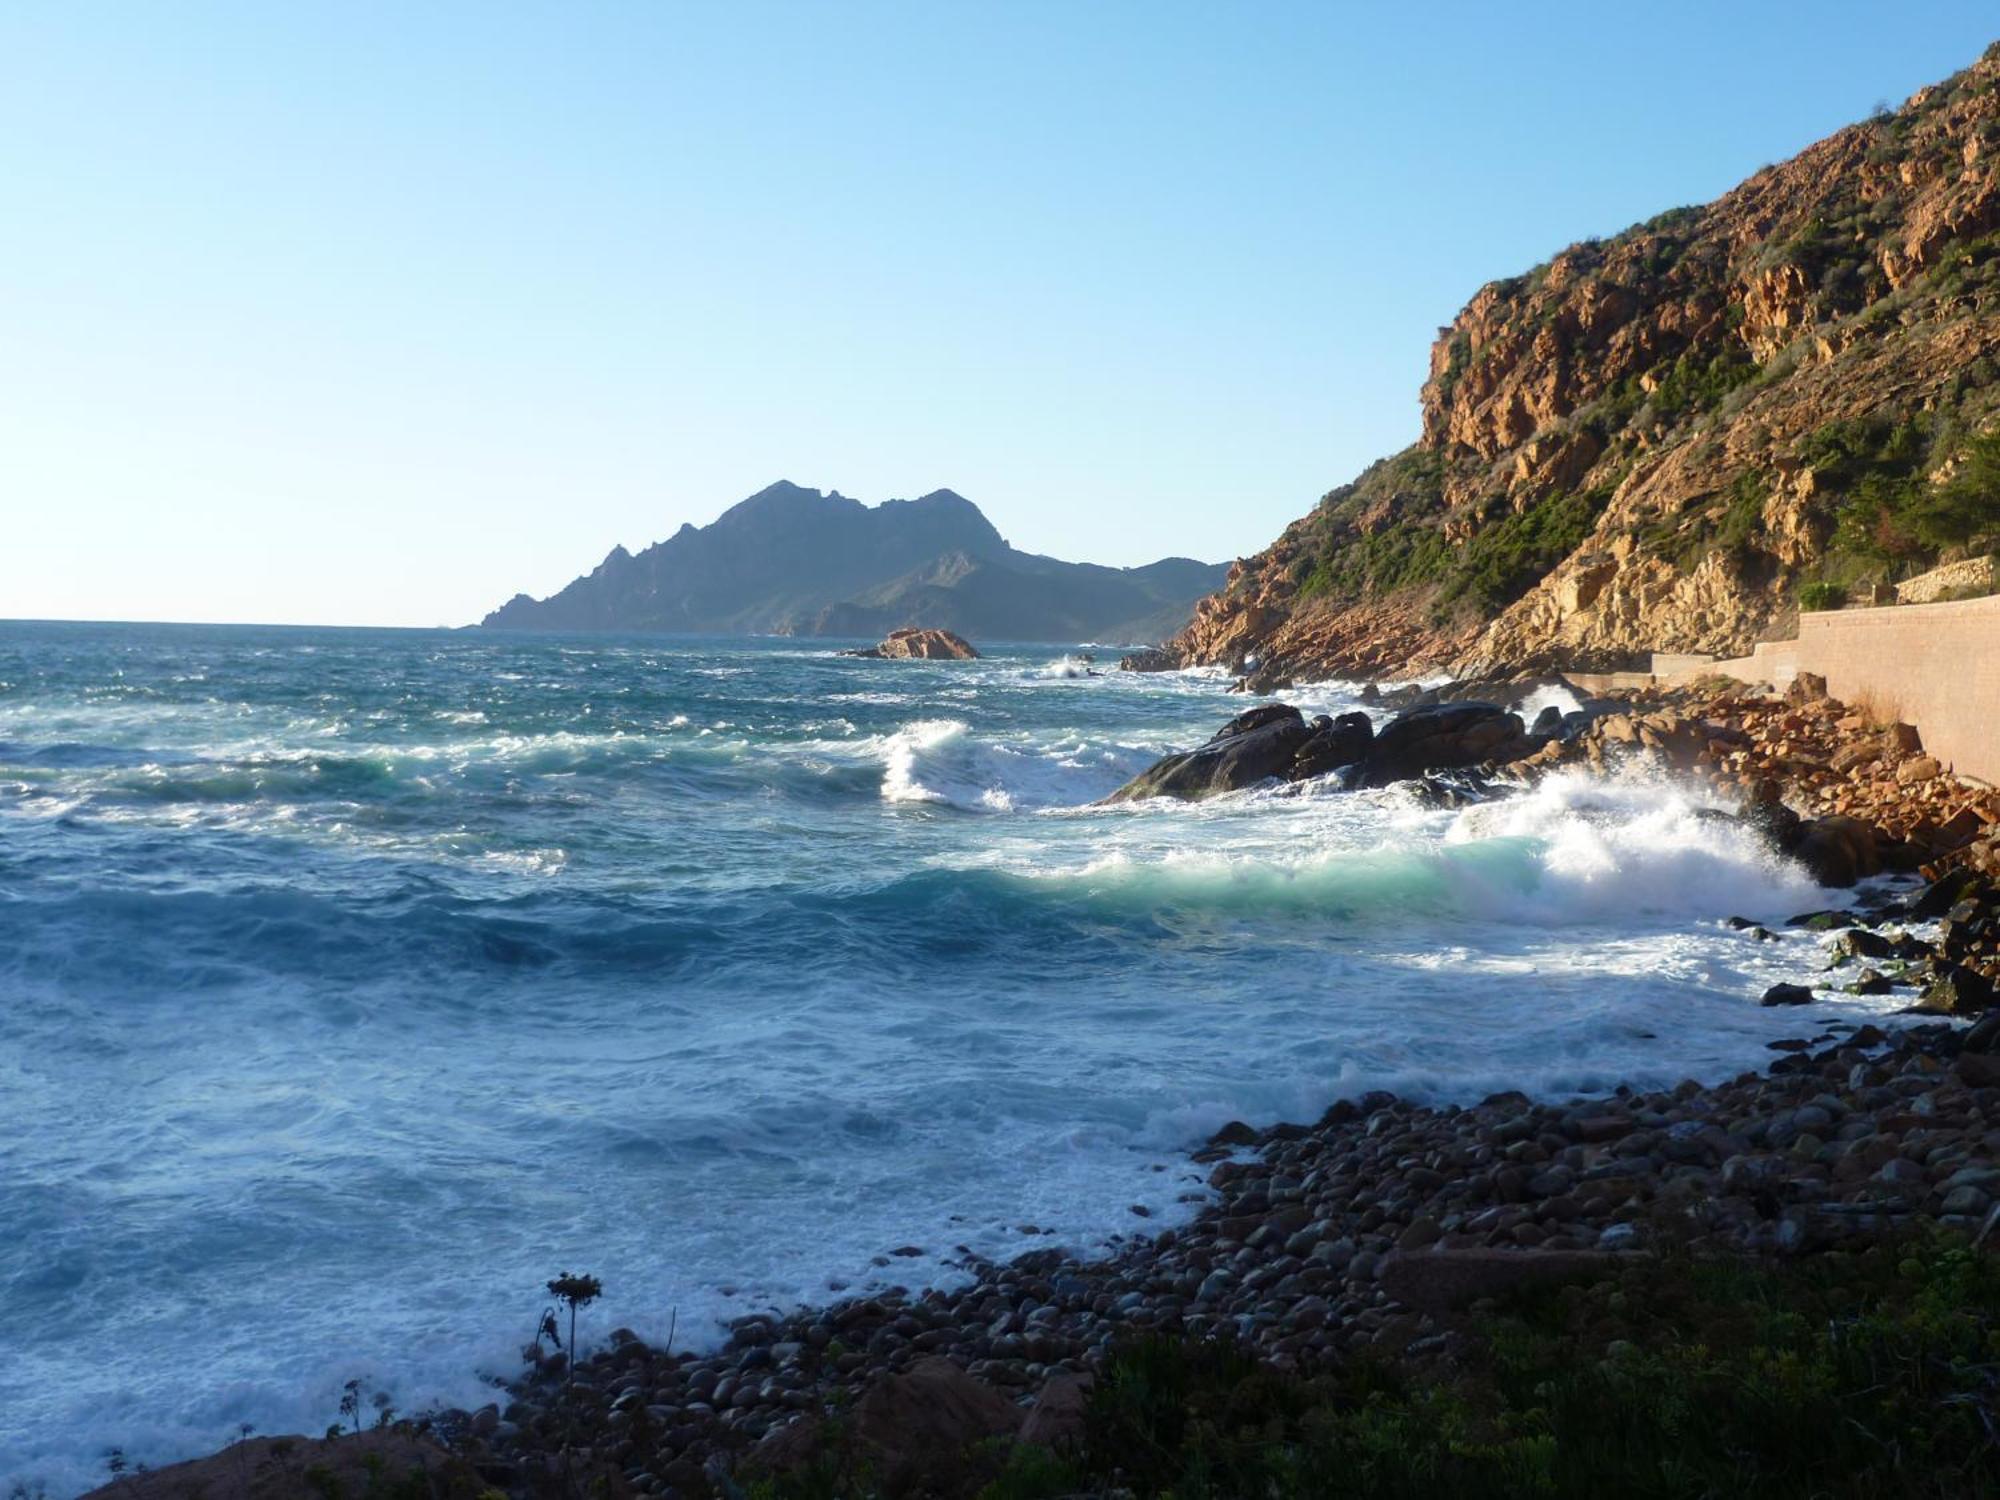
(1659, 440)
(794, 561)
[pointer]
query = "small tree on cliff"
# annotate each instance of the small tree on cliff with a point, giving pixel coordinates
(574, 1292)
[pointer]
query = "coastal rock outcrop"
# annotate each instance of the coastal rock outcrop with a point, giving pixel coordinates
(1148, 659)
(1274, 742)
(1653, 442)
(1250, 748)
(1444, 737)
(914, 644)
(1832, 786)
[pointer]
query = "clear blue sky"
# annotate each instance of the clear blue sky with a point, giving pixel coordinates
(378, 313)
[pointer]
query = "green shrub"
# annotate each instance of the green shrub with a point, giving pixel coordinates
(1848, 1375)
(1503, 560)
(1694, 384)
(1822, 595)
(1886, 510)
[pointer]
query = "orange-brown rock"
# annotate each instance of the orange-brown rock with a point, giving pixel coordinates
(911, 643)
(1626, 449)
(1836, 769)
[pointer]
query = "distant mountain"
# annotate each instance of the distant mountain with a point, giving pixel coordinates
(794, 561)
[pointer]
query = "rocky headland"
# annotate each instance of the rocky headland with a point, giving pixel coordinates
(1669, 439)
(796, 561)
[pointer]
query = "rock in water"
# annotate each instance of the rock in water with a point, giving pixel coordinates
(1787, 994)
(1276, 741)
(1956, 991)
(911, 643)
(1443, 737)
(1149, 659)
(1837, 851)
(1250, 748)
(1334, 743)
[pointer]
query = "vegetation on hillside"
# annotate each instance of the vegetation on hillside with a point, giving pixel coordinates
(1801, 379)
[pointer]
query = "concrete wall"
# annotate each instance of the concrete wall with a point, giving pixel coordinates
(1936, 666)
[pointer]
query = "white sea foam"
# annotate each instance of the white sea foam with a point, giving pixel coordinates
(941, 761)
(718, 1019)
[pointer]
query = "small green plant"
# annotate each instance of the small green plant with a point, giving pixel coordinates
(350, 1403)
(1822, 596)
(574, 1291)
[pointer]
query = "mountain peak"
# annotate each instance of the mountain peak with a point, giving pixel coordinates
(791, 559)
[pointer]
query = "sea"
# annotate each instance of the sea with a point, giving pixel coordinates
(353, 983)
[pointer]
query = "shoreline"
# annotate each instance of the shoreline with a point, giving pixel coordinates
(1369, 1233)
(1349, 1233)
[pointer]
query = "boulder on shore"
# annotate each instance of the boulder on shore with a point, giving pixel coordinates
(1837, 850)
(913, 643)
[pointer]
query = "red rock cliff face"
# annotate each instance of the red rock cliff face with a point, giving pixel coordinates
(1650, 442)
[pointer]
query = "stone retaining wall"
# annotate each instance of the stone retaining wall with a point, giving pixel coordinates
(1936, 666)
(1973, 573)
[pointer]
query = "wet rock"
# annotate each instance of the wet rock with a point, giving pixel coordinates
(1955, 991)
(1443, 737)
(1787, 994)
(1334, 743)
(1946, 892)
(1251, 748)
(1151, 659)
(1837, 850)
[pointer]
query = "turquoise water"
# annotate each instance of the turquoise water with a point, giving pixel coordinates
(354, 982)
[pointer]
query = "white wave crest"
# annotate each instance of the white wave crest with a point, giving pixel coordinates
(940, 761)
